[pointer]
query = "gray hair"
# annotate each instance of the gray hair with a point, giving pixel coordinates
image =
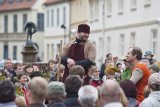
(110, 91)
(154, 81)
(38, 88)
(56, 90)
(87, 96)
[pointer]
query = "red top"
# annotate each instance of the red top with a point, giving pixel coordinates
(142, 82)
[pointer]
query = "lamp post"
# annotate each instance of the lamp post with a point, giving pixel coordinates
(64, 27)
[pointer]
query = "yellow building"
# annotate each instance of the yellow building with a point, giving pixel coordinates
(79, 13)
(13, 15)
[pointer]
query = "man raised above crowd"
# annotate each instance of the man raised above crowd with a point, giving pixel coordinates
(79, 51)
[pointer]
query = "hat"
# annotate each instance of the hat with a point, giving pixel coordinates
(83, 28)
(148, 53)
(110, 69)
(154, 67)
(154, 81)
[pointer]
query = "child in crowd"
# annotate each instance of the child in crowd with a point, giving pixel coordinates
(52, 68)
(109, 72)
(18, 67)
(28, 69)
(93, 73)
(35, 68)
(22, 85)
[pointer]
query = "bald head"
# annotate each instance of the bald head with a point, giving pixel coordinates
(110, 91)
(38, 87)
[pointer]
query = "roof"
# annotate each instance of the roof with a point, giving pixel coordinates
(49, 2)
(14, 5)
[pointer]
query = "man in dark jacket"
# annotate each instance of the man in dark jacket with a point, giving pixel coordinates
(72, 85)
(79, 51)
(7, 94)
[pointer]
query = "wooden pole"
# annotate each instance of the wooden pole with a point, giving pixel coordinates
(59, 61)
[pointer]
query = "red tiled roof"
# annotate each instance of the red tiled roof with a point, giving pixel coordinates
(24, 4)
(48, 2)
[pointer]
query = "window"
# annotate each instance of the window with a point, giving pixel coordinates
(18, 0)
(10, 1)
(91, 10)
(58, 47)
(15, 23)
(147, 3)
(40, 21)
(1, 1)
(64, 15)
(121, 44)
(133, 4)
(5, 24)
(15, 52)
(154, 38)
(58, 17)
(24, 20)
(47, 18)
(80, 3)
(132, 39)
(48, 51)
(108, 44)
(94, 10)
(52, 20)
(109, 7)
(5, 50)
(120, 6)
(52, 50)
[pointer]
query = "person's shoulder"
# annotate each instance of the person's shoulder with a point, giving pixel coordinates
(146, 103)
(141, 65)
(90, 43)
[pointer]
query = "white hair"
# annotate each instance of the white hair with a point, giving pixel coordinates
(56, 90)
(87, 96)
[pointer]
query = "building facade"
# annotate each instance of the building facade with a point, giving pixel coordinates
(125, 23)
(56, 27)
(13, 16)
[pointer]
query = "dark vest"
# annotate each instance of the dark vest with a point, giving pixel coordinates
(76, 52)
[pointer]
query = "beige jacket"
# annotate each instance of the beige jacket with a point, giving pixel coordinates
(89, 50)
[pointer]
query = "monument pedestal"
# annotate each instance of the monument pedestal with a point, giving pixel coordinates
(29, 54)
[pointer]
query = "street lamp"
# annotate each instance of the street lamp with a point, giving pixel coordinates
(64, 27)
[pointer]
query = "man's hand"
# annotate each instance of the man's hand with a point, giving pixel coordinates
(70, 62)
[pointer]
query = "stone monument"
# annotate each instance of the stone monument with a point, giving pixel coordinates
(29, 51)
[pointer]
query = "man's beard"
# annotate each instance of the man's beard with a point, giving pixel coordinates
(83, 38)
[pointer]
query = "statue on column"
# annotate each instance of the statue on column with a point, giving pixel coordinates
(30, 50)
(30, 28)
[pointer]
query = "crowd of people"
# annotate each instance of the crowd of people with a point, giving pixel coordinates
(131, 81)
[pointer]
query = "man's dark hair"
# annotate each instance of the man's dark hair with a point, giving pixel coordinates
(77, 70)
(108, 55)
(17, 64)
(137, 51)
(7, 91)
(72, 84)
(35, 74)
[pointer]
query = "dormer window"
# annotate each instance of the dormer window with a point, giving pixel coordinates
(1, 1)
(18, 0)
(10, 1)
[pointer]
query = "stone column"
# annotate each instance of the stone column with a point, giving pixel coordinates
(29, 53)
